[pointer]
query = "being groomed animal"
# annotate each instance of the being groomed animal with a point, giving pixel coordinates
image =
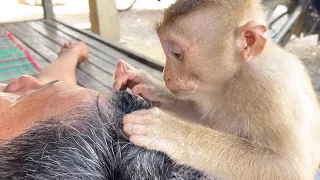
(233, 103)
(86, 143)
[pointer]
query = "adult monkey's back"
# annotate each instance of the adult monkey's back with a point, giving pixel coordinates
(256, 98)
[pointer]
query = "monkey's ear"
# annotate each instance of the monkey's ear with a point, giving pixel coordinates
(252, 39)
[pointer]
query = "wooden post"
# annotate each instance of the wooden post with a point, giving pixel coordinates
(104, 19)
(48, 9)
(299, 25)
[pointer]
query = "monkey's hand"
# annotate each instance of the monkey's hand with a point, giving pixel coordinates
(153, 129)
(208, 150)
(141, 83)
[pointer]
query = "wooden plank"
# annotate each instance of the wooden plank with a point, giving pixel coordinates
(91, 83)
(104, 19)
(83, 78)
(104, 48)
(48, 9)
(130, 53)
(60, 36)
(93, 59)
(83, 37)
(92, 49)
(102, 76)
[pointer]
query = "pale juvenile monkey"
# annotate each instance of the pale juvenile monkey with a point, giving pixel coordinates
(256, 116)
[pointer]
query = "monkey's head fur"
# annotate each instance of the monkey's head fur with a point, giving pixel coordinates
(207, 42)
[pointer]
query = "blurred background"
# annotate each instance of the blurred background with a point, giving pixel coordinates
(136, 24)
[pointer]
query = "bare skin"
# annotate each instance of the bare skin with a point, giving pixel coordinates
(63, 68)
(255, 112)
(27, 100)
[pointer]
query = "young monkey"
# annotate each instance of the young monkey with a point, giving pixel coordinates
(255, 112)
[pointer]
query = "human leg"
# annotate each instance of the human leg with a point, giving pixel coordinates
(63, 68)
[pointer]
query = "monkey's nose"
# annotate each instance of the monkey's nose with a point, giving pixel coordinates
(167, 77)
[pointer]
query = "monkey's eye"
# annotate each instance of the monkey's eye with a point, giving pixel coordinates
(178, 56)
(176, 52)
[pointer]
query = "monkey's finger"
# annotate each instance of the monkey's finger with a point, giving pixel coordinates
(141, 141)
(142, 89)
(126, 65)
(134, 129)
(121, 67)
(132, 83)
(143, 113)
(123, 79)
(119, 70)
(136, 118)
(147, 112)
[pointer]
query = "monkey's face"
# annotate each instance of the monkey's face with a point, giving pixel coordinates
(206, 47)
(176, 72)
(196, 65)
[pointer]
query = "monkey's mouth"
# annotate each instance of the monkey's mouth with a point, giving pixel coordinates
(182, 90)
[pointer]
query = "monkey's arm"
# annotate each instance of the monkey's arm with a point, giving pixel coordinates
(229, 156)
(209, 150)
(151, 89)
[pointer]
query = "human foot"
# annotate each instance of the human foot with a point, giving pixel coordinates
(76, 47)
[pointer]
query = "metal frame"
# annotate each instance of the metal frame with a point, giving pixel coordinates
(289, 24)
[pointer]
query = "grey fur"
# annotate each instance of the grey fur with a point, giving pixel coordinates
(89, 146)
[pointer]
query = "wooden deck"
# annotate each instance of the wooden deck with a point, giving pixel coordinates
(44, 39)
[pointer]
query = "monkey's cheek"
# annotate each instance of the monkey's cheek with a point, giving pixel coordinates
(181, 88)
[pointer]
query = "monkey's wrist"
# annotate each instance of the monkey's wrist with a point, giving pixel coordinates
(165, 103)
(160, 102)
